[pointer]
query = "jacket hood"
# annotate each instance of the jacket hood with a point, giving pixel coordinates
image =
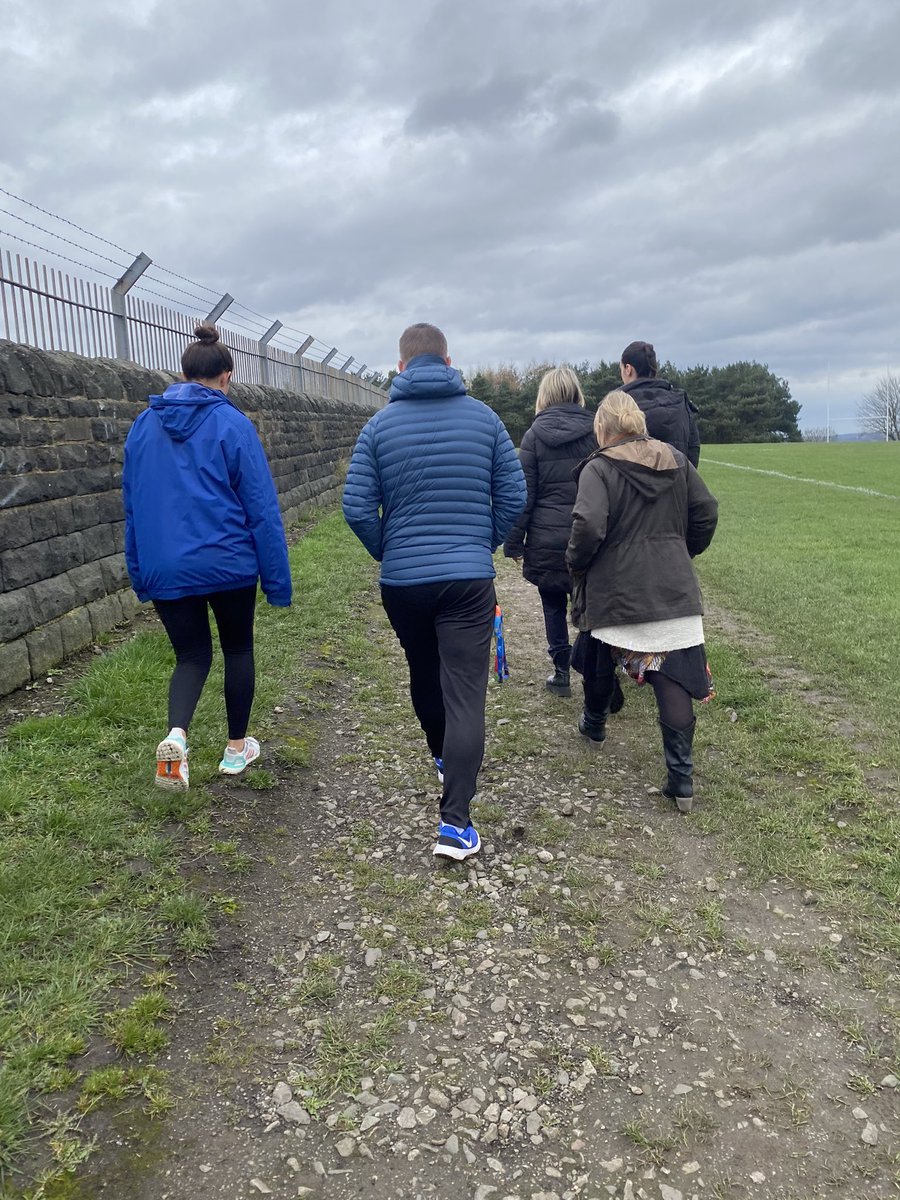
(183, 407)
(654, 393)
(562, 423)
(649, 465)
(427, 377)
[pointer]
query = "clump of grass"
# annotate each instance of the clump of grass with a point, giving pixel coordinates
(135, 1029)
(399, 981)
(343, 1054)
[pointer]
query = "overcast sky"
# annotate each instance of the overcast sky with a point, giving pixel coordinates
(545, 179)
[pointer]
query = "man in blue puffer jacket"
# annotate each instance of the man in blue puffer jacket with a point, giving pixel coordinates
(434, 487)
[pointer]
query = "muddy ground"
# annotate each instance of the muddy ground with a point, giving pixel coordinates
(597, 1005)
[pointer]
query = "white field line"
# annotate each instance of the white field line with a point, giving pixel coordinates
(841, 487)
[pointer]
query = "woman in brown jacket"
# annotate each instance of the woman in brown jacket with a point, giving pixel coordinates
(641, 514)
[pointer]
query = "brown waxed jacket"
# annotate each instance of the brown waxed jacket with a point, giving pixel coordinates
(641, 514)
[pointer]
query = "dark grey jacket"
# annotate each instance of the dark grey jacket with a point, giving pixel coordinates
(641, 514)
(559, 438)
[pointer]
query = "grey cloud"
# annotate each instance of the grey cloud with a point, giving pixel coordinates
(547, 178)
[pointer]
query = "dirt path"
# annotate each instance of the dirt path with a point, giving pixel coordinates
(596, 1006)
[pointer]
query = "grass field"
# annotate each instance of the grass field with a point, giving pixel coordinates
(815, 564)
(92, 884)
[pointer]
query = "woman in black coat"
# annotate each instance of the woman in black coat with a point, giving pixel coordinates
(560, 436)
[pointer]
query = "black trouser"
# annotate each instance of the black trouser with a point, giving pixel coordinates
(186, 621)
(445, 631)
(555, 606)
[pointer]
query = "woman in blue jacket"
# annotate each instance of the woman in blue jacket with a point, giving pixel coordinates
(202, 526)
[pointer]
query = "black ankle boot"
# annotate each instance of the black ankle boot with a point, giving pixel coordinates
(559, 682)
(678, 749)
(592, 726)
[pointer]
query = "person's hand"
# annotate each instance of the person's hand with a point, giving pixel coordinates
(518, 560)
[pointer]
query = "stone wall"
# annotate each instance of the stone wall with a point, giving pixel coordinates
(63, 421)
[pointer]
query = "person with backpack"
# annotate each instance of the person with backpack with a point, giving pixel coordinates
(561, 435)
(670, 416)
(202, 527)
(434, 487)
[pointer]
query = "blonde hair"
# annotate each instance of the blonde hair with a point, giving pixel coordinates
(618, 416)
(559, 386)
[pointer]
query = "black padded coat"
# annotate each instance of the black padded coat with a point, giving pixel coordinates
(559, 439)
(668, 413)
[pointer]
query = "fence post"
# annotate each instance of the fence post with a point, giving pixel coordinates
(346, 366)
(263, 355)
(298, 357)
(325, 361)
(117, 302)
(221, 305)
(361, 369)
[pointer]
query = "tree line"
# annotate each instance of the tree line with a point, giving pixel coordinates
(741, 402)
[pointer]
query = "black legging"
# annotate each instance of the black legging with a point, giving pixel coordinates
(186, 621)
(676, 709)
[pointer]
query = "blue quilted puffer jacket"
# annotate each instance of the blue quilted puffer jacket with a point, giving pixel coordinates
(434, 484)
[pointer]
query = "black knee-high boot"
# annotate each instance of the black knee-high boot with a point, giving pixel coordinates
(678, 749)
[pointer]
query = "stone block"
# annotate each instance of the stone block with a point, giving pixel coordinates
(45, 520)
(76, 630)
(15, 666)
(81, 406)
(14, 376)
(99, 543)
(17, 615)
(45, 648)
(15, 528)
(130, 603)
(17, 460)
(50, 598)
(115, 574)
(87, 582)
(10, 431)
(105, 614)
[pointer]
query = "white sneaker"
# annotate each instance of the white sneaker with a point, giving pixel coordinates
(235, 762)
(171, 763)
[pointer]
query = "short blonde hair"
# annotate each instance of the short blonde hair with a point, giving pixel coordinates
(559, 386)
(618, 416)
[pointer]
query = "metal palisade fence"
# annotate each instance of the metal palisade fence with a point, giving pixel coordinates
(42, 305)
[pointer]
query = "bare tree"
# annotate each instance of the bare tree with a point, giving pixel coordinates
(879, 410)
(821, 433)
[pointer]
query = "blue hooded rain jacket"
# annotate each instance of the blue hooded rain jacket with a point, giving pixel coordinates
(201, 510)
(434, 484)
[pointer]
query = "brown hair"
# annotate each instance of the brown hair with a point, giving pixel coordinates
(206, 358)
(642, 357)
(422, 339)
(618, 416)
(559, 386)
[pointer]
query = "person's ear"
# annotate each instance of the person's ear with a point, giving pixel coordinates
(401, 365)
(447, 360)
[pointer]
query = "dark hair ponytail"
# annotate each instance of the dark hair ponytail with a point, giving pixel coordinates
(206, 358)
(642, 357)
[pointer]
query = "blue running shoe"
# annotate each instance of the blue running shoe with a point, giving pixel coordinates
(457, 843)
(439, 765)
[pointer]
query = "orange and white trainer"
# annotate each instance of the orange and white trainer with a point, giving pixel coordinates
(171, 763)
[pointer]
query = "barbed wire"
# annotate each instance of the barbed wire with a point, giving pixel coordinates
(56, 254)
(317, 346)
